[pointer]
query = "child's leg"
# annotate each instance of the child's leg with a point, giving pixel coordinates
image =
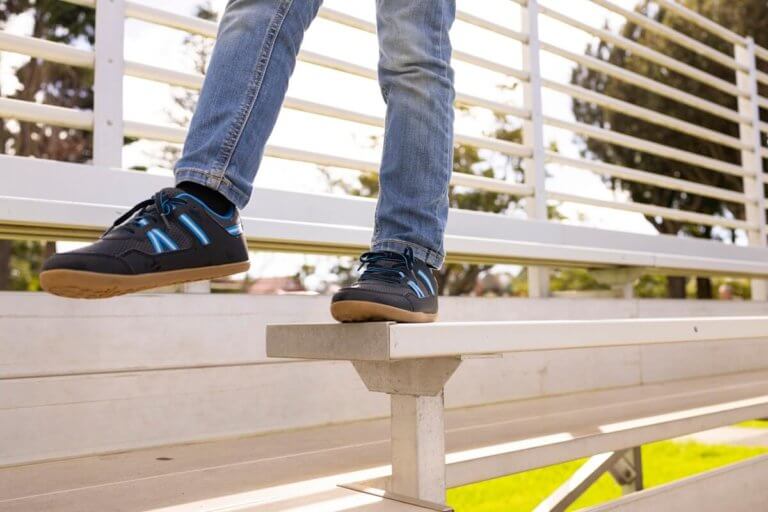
(193, 231)
(417, 83)
(244, 88)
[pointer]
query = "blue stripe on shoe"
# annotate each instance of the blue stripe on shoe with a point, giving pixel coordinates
(143, 222)
(165, 239)
(235, 230)
(416, 289)
(194, 228)
(427, 281)
(155, 241)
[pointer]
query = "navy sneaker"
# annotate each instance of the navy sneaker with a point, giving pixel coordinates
(394, 286)
(169, 239)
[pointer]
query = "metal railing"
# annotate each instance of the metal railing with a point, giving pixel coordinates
(109, 125)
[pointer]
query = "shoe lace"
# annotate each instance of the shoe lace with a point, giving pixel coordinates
(159, 206)
(386, 265)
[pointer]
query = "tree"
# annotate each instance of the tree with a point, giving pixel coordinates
(52, 84)
(747, 17)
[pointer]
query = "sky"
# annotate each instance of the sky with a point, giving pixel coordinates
(151, 102)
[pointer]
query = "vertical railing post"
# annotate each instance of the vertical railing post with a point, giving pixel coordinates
(108, 83)
(533, 137)
(751, 159)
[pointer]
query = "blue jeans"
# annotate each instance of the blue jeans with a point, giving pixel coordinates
(246, 82)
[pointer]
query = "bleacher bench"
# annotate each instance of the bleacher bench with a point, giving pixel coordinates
(413, 362)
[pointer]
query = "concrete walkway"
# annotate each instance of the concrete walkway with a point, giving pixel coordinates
(735, 436)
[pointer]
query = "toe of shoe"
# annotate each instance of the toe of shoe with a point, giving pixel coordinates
(85, 262)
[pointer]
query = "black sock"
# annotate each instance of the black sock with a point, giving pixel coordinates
(212, 198)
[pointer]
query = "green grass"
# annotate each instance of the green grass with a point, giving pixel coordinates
(663, 462)
(754, 424)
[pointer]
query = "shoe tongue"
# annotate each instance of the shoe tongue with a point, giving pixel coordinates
(171, 192)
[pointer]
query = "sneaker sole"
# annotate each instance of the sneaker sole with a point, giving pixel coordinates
(79, 284)
(363, 311)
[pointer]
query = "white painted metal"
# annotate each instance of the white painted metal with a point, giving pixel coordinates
(543, 450)
(644, 113)
(484, 236)
(39, 113)
(383, 341)
(671, 34)
(313, 461)
(648, 146)
(703, 22)
(533, 137)
(647, 53)
(418, 447)
(576, 484)
(119, 384)
(649, 209)
(108, 83)
(645, 82)
(208, 28)
(503, 30)
(761, 52)
(738, 487)
(752, 159)
(629, 174)
(55, 52)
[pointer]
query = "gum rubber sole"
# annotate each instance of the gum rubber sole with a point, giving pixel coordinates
(363, 311)
(79, 284)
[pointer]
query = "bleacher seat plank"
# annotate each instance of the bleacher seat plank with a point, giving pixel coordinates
(389, 341)
(284, 465)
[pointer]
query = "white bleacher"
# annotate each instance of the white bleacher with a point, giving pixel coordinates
(103, 406)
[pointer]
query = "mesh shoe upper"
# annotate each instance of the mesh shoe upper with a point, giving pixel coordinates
(394, 279)
(173, 230)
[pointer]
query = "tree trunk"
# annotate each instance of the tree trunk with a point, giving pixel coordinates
(676, 287)
(5, 264)
(703, 288)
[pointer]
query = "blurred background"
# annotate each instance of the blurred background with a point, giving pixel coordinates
(45, 82)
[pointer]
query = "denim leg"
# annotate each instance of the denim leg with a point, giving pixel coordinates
(245, 85)
(416, 80)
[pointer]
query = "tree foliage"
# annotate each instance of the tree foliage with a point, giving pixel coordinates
(747, 17)
(52, 84)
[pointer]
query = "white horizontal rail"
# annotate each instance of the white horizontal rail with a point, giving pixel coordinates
(48, 114)
(366, 26)
(177, 135)
(646, 114)
(671, 34)
(491, 26)
(514, 457)
(647, 83)
(195, 81)
(82, 119)
(209, 29)
(761, 52)
(649, 178)
(703, 22)
(652, 210)
(648, 53)
(762, 77)
(42, 49)
(647, 146)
